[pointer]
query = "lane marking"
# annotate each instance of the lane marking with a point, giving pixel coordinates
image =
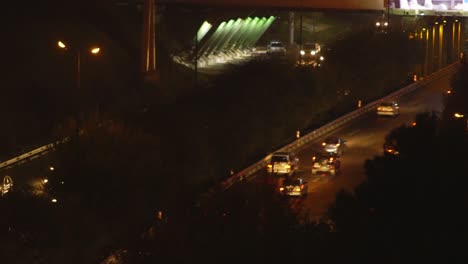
(352, 133)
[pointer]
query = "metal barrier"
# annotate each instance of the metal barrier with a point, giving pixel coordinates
(31, 154)
(335, 124)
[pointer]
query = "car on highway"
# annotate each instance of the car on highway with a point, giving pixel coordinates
(390, 108)
(293, 187)
(309, 55)
(326, 162)
(448, 92)
(334, 145)
(276, 47)
(7, 185)
(381, 25)
(310, 50)
(283, 163)
(390, 149)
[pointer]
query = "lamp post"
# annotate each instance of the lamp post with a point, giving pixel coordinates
(93, 50)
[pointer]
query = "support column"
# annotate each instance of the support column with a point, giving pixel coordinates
(148, 47)
(291, 28)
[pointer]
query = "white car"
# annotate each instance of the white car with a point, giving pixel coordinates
(334, 145)
(388, 109)
(276, 47)
(283, 163)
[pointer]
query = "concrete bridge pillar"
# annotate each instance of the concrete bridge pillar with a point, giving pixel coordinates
(291, 28)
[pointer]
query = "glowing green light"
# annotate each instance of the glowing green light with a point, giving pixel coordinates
(204, 28)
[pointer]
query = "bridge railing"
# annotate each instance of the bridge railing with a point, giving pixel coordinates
(30, 155)
(333, 125)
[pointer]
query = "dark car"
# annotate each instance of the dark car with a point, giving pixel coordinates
(390, 149)
(309, 55)
(294, 187)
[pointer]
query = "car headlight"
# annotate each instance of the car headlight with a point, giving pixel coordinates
(313, 52)
(322, 58)
(302, 52)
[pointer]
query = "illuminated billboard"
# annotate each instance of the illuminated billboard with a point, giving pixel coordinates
(409, 7)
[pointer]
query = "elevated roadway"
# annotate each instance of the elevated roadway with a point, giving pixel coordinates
(365, 138)
(311, 4)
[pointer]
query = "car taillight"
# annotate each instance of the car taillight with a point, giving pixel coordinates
(302, 186)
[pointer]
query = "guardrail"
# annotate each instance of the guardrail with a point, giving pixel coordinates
(333, 125)
(27, 155)
(31, 154)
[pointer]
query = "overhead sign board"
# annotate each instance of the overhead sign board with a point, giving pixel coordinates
(429, 7)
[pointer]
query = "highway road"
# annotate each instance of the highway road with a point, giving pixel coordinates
(365, 138)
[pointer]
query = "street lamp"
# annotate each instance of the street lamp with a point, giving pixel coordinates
(93, 50)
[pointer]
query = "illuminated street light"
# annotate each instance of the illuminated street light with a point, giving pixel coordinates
(458, 115)
(94, 50)
(61, 44)
(54, 200)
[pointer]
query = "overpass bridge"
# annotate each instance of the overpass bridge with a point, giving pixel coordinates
(456, 8)
(149, 37)
(290, 4)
